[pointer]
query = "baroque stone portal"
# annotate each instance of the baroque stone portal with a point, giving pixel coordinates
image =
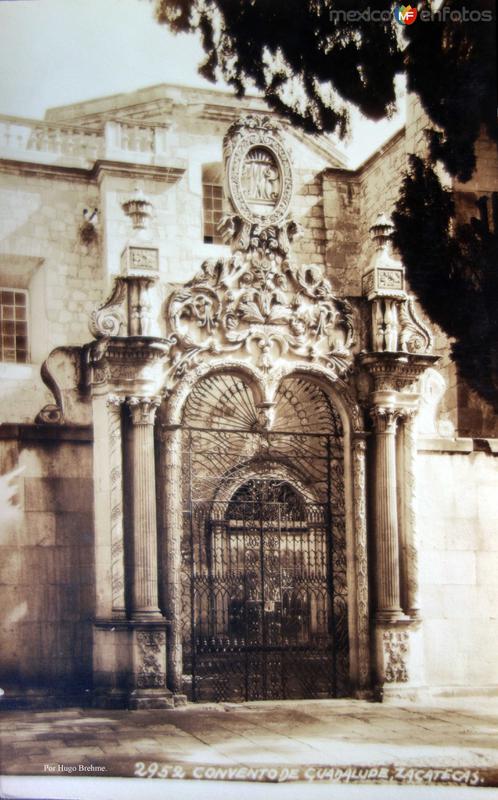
(231, 552)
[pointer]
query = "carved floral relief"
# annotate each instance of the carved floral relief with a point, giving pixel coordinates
(259, 302)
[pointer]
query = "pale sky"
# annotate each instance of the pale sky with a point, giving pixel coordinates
(54, 52)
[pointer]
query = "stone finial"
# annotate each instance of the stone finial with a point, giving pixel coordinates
(384, 276)
(381, 231)
(138, 208)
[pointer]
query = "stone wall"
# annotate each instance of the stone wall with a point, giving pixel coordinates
(41, 251)
(458, 533)
(47, 564)
(380, 181)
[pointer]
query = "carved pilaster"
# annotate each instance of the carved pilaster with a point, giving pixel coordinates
(361, 560)
(395, 646)
(140, 306)
(386, 515)
(173, 523)
(116, 505)
(144, 589)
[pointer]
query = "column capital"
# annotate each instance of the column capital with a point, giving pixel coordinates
(114, 400)
(143, 409)
(385, 418)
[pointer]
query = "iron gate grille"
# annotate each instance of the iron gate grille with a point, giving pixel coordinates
(264, 568)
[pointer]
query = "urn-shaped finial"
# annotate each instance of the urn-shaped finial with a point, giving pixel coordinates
(138, 208)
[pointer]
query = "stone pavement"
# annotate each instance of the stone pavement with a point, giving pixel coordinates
(453, 743)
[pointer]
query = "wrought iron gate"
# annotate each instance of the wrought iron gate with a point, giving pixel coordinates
(264, 567)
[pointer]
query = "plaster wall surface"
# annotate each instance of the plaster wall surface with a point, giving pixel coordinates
(457, 525)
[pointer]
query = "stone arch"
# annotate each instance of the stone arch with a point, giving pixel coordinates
(341, 397)
(246, 371)
(272, 470)
(337, 391)
(306, 397)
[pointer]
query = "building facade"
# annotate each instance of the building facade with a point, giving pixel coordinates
(245, 466)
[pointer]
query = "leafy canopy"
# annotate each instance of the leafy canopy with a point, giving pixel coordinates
(310, 60)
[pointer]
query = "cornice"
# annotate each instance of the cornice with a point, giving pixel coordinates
(12, 166)
(123, 169)
(101, 168)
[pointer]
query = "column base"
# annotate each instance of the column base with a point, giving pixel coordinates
(140, 699)
(391, 616)
(405, 694)
(364, 694)
(180, 699)
(147, 615)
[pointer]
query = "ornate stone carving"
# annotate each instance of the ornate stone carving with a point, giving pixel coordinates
(395, 325)
(116, 502)
(259, 303)
(259, 174)
(361, 560)
(142, 258)
(414, 337)
(172, 470)
(61, 373)
(385, 418)
(128, 310)
(151, 673)
(143, 409)
(110, 318)
(395, 645)
(140, 306)
(138, 208)
(396, 371)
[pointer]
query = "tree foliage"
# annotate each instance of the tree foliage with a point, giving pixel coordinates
(453, 267)
(310, 62)
(452, 67)
(307, 64)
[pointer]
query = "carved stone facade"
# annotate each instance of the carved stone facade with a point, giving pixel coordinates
(255, 436)
(235, 338)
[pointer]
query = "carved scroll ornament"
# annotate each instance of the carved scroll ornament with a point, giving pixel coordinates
(259, 303)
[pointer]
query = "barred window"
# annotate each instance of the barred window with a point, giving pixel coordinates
(14, 325)
(212, 202)
(212, 206)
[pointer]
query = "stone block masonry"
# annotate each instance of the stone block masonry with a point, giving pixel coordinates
(47, 574)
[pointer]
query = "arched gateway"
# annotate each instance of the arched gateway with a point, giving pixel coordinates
(231, 494)
(264, 590)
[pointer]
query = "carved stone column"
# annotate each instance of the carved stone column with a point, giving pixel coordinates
(386, 516)
(408, 537)
(144, 595)
(361, 562)
(172, 439)
(114, 403)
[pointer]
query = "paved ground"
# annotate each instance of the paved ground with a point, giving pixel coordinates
(452, 743)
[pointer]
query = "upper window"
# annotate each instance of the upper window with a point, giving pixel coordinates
(14, 325)
(212, 203)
